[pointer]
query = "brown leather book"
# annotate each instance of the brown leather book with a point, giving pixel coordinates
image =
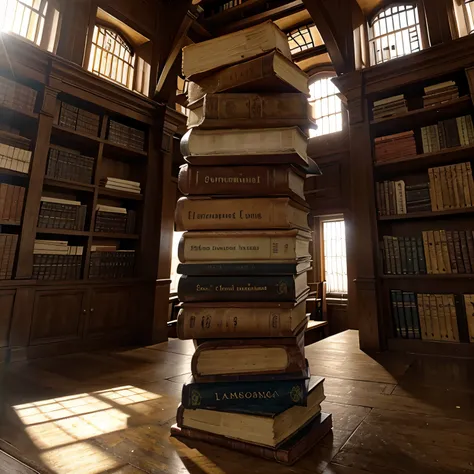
(241, 181)
(287, 453)
(236, 360)
(270, 73)
(250, 111)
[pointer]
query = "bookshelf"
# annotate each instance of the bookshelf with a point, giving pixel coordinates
(85, 261)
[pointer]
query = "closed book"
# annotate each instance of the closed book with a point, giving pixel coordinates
(250, 147)
(201, 58)
(441, 205)
(414, 252)
(401, 314)
(447, 317)
(456, 185)
(400, 197)
(403, 256)
(466, 187)
(470, 181)
(470, 248)
(465, 251)
(257, 398)
(451, 252)
(226, 214)
(421, 314)
(447, 204)
(454, 318)
(408, 315)
(240, 320)
(443, 329)
(414, 315)
(439, 252)
(458, 252)
(434, 318)
(445, 251)
(409, 252)
(428, 320)
(433, 196)
(396, 250)
(270, 73)
(287, 453)
(243, 268)
(242, 288)
(241, 181)
(396, 318)
(391, 256)
(245, 246)
(232, 360)
(234, 110)
(469, 307)
(269, 429)
(432, 251)
(421, 255)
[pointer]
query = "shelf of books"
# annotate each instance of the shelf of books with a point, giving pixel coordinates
(423, 144)
(90, 210)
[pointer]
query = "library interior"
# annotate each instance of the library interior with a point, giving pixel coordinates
(236, 235)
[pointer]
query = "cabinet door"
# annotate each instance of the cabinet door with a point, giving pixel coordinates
(7, 298)
(58, 315)
(109, 310)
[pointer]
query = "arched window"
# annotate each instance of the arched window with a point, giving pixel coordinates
(34, 20)
(326, 105)
(111, 56)
(395, 31)
(469, 14)
(303, 38)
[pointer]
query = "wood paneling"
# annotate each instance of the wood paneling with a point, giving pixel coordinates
(57, 315)
(7, 299)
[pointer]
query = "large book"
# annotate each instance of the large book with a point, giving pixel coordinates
(269, 429)
(227, 214)
(245, 246)
(202, 58)
(287, 453)
(255, 398)
(241, 181)
(234, 110)
(287, 144)
(240, 320)
(270, 73)
(233, 360)
(242, 288)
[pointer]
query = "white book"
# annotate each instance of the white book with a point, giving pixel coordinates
(117, 210)
(60, 201)
(401, 200)
(122, 188)
(233, 48)
(441, 85)
(123, 181)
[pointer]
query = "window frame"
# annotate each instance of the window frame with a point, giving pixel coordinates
(469, 28)
(424, 43)
(328, 74)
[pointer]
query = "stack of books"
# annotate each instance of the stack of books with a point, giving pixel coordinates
(403, 255)
(440, 93)
(392, 147)
(14, 153)
(61, 214)
(451, 187)
(396, 198)
(8, 246)
(78, 119)
(469, 307)
(112, 219)
(121, 185)
(389, 107)
(126, 136)
(245, 251)
(110, 263)
(449, 251)
(448, 134)
(56, 260)
(70, 165)
(17, 96)
(431, 317)
(12, 199)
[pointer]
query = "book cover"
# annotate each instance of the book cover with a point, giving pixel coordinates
(439, 252)
(244, 268)
(447, 317)
(458, 252)
(465, 251)
(445, 251)
(469, 307)
(432, 251)
(451, 252)
(443, 329)
(421, 255)
(395, 315)
(421, 314)
(410, 328)
(454, 318)
(436, 331)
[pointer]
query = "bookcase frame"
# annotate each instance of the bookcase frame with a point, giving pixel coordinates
(49, 317)
(361, 88)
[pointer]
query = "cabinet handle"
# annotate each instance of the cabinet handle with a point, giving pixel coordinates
(92, 310)
(84, 310)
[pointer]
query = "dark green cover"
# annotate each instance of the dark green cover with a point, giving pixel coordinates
(408, 315)
(414, 315)
(403, 255)
(265, 398)
(409, 253)
(396, 320)
(421, 255)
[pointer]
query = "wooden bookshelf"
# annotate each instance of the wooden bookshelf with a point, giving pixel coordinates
(72, 185)
(442, 276)
(428, 214)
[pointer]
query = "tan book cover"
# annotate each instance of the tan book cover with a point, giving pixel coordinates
(428, 320)
(270, 73)
(433, 254)
(244, 246)
(454, 318)
(469, 306)
(433, 195)
(439, 252)
(460, 185)
(470, 181)
(240, 214)
(465, 185)
(439, 194)
(443, 330)
(455, 185)
(446, 198)
(435, 318)
(202, 58)
(8, 203)
(3, 197)
(421, 313)
(234, 110)
(447, 317)
(445, 251)
(450, 183)
(426, 249)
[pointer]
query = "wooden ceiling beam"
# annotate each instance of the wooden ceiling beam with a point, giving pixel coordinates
(310, 52)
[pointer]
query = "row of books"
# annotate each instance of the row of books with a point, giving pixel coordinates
(17, 96)
(8, 247)
(14, 153)
(121, 185)
(389, 107)
(114, 219)
(56, 260)
(126, 136)
(438, 94)
(78, 119)
(70, 165)
(403, 255)
(12, 199)
(430, 317)
(396, 198)
(391, 147)
(109, 262)
(448, 134)
(451, 187)
(61, 214)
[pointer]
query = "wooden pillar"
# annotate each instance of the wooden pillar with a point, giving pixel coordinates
(439, 19)
(361, 233)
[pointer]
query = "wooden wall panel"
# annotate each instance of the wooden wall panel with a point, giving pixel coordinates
(58, 315)
(7, 299)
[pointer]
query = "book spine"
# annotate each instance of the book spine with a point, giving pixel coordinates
(415, 316)
(408, 315)
(432, 188)
(455, 187)
(391, 255)
(445, 251)
(408, 250)
(401, 314)
(438, 190)
(458, 252)
(447, 317)
(396, 249)
(470, 182)
(432, 250)
(414, 252)
(395, 316)
(444, 188)
(421, 313)
(400, 197)
(470, 248)
(469, 307)
(421, 255)
(403, 256)
(443, 330)
(434, 318)
(451, 252)
(465, 251)
(428, 321)
(465, 185)
(439, 252)
(454, 318)
(427, 253)
(386, 193)
(449, 178)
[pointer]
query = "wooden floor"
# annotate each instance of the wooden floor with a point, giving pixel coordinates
(110, 412)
